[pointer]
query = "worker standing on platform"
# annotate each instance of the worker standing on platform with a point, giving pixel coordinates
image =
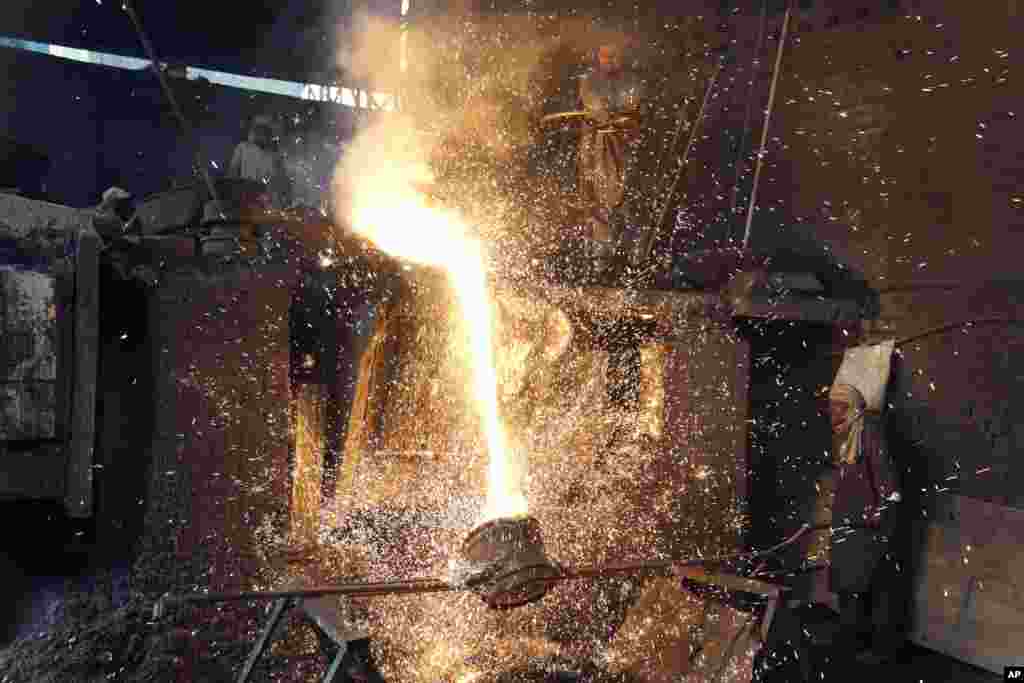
(257, 158)
(610, 96)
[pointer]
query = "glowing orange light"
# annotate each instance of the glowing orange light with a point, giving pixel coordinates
(381, 182)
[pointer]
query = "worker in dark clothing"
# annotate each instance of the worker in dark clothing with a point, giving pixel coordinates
(865, 571)
(610, 96)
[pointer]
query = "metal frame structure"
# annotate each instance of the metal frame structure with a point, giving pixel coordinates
(280, 609)
(752, 593)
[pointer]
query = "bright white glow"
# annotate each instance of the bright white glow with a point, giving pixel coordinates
(303, 91)
(379, 192)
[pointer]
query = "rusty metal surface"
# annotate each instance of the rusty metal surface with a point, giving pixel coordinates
(514, 565)
(36, 242)
(28, 355)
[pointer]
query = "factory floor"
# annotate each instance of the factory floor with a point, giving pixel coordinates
(910, 664)
(919, 664)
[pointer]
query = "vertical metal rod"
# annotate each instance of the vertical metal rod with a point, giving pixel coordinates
(169, 94)
(680, 124)
(652, 234)
(767, 121)
(756, 68)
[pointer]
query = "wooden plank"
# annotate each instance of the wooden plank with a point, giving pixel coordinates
(969, 597)
(32, 475)
(79, 494)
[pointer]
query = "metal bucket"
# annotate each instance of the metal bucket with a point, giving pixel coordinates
(516, 568)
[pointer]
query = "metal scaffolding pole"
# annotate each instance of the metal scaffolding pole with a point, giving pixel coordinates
(767, 121)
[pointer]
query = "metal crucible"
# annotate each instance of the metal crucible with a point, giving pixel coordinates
(515, 569)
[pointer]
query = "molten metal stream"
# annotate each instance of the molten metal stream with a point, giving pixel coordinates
(381, 189)
(504, 493)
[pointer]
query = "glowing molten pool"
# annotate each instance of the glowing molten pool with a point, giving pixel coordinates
(379, 189)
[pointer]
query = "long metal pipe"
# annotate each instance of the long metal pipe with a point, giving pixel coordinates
(413, 586)
(755, 72)
(169, 94)
(767, 121)
(651, 236)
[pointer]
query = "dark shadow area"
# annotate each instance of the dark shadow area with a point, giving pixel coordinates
(314, 360)
(804, 645)
(790, 437)
(22, 168)
(46, 552)
(41, 551)
(330, 321)
(794, 247)
(124, 418)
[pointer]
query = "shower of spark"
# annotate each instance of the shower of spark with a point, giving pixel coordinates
(381, 186)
